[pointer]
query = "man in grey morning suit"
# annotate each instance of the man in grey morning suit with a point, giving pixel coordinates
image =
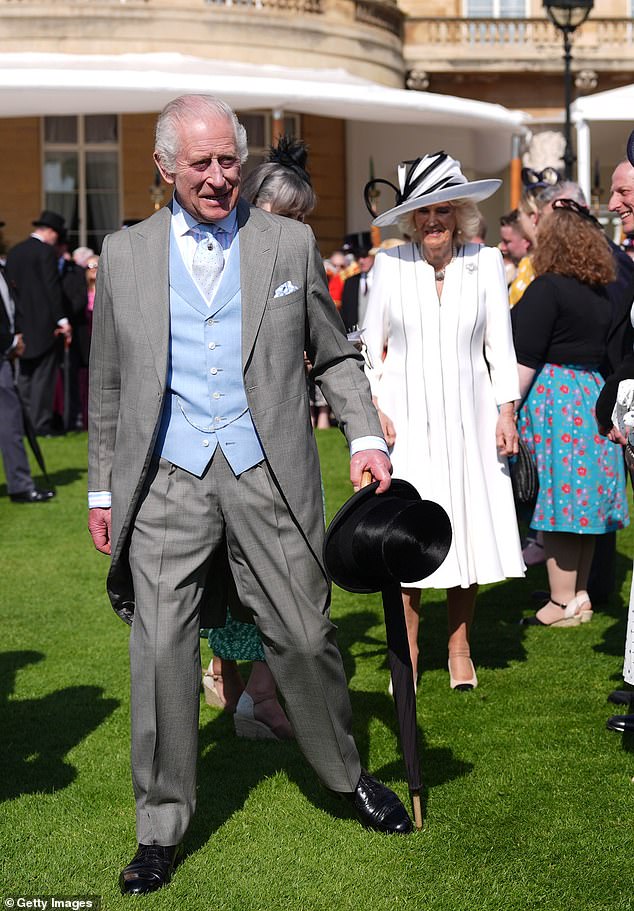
(201, 441)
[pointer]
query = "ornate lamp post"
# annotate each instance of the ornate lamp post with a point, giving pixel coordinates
(566, 16)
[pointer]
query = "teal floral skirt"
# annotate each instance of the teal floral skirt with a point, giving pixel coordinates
(235, 641)
(581, 473)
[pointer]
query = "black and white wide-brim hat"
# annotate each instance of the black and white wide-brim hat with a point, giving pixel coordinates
(429, 181)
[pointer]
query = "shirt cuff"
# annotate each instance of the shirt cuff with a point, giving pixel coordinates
(362, 443)
(63, 321)
(99, 499)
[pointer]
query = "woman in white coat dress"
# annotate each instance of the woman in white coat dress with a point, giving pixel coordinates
(445, 382)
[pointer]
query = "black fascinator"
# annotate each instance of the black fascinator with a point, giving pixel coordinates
(292, 154)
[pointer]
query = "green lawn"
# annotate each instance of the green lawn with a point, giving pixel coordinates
(527, 797)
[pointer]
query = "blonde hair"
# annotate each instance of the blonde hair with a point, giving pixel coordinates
(468, 219)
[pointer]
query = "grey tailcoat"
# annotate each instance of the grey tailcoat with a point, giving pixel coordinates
(129, 363)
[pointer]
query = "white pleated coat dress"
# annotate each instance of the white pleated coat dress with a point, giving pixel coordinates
(447, 367)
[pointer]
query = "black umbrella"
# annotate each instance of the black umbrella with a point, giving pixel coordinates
(403, 691)
(29, 433)
(67, 382)
(375, 543)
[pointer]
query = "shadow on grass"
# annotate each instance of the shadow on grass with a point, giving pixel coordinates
(227, 775)
(62, 478)
(38, 733)
(243, 765)
(613, 642)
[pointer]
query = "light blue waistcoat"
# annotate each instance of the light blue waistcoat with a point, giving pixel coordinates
(205, 403)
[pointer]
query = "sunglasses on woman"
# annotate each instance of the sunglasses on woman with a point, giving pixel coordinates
(578, 209)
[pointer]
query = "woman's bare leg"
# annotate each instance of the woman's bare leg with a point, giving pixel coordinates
(460, 610)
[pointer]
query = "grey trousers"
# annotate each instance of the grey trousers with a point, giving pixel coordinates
(181, 522)
(36, 381)
(14, 457)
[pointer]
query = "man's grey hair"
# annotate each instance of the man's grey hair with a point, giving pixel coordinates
(567, 189)
(184, 110)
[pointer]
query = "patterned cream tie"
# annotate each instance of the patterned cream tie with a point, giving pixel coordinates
(208, 262)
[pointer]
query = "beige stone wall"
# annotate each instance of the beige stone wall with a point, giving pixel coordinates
(137, 167)
(21, 199)
(327, 164)
(273, 32)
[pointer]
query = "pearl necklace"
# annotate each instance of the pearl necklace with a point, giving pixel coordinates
(439, 274)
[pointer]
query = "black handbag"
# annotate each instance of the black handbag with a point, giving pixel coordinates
(524, 477)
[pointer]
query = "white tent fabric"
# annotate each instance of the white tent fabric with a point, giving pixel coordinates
(38, 84)
(613, 111)
(615, 104)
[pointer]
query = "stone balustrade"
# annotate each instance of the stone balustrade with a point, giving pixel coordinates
(494, 42)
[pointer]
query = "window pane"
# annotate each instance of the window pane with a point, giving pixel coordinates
(512, 9)
(478, 9)
(60, 172)
(102, 212)
(66, 205)
(101, 128)
(102, 172)
(255, 127)
(60, 129)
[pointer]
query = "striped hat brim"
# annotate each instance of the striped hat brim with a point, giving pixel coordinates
(476, 191)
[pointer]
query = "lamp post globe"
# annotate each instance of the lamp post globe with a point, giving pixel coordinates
(567, 16)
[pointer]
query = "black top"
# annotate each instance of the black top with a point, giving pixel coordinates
(560, 320)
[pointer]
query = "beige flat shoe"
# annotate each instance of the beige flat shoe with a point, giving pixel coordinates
(584, 607)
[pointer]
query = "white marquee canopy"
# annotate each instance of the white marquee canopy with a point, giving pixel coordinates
(613, 112)
(37, 84)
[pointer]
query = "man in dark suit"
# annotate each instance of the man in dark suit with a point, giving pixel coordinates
(16, 464)
(621, 355)
(356, 291)
(33, 275)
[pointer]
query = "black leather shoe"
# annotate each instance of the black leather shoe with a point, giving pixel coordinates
(33, 496)
(624, 724)
(621, 697)
(379, 808)
(150, 869)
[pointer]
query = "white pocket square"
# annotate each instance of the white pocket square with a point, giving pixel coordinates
(286, 288)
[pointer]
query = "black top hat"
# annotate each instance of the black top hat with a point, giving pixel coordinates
(357, 243)
(52, 220)
(379, 540)
(630, 148)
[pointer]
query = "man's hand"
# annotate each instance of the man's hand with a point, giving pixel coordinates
(615, 435)
(377, 463)
(19, 347)
(99, 524)
(67, 332)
